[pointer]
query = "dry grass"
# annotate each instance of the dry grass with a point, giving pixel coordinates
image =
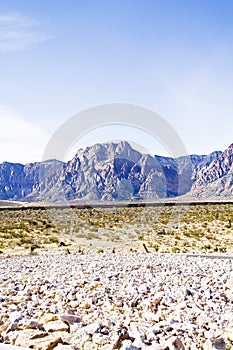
(199, 228)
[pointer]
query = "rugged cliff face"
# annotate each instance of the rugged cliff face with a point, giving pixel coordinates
(11, 179)
(111, 171)
(216, 178)
(28, 182)
(182, 172)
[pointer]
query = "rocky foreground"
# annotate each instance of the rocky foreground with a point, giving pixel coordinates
(116, 301)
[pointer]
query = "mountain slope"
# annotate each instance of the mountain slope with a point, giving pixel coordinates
(216, 179)
(108, 172)
(182, 172)
(111, 172)
(28, 182)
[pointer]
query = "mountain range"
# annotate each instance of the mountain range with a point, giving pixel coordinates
(117, 172)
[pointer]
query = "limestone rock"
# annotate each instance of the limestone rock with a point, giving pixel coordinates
(55, 326)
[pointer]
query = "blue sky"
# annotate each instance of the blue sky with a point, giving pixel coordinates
(60, 57)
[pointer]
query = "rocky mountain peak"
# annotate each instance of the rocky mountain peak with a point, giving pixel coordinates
(116, 171)
(101, 152)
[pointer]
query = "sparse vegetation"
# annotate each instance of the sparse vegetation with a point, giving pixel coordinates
(175, 249)
(204, 228)
(100, 250)
(207, 247)
(222, 249)
(155, 247)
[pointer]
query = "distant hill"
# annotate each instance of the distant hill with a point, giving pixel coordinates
(117, 172)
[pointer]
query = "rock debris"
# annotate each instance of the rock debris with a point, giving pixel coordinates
(116, 301)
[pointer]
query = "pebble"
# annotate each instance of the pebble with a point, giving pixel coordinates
(116, 301)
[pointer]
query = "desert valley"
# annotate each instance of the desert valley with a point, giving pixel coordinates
(117, 250)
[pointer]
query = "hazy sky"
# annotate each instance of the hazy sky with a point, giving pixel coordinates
(59, 57)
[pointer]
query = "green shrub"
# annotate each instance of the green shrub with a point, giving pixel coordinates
(155, 247)
(175, 249)
(222, 249)
(207, 247)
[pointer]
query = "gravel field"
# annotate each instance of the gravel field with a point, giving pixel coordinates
(116, 301)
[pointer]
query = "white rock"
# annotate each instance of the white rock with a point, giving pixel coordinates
(55, 326)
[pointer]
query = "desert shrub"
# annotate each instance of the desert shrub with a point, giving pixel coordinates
(141, 237)
(25, 240)
(155, 247)
(162, 232)
(175, 249)
(210, 236)
(207, 247)
(222, 249)
(188, 234)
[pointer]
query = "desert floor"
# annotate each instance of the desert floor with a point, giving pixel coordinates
(180, 228)
(117, 278)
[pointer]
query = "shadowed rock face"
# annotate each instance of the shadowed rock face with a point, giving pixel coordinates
(11, 177)
(216, 178)
(26, 182)
(113, 171)
(182, 172)
(110, 171)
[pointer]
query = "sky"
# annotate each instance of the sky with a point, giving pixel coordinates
(60, 57)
